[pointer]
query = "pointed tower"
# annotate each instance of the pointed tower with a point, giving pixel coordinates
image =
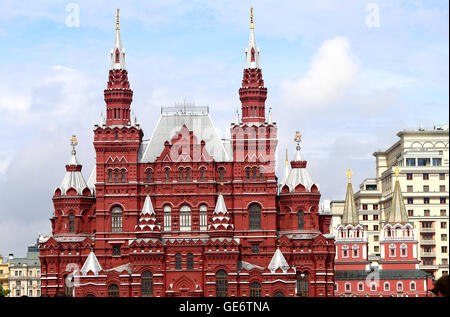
(398, 241)
(73, 200)
(117, 139)
(147, 226)
(118, 95)
(351, 240)
(221, 225)
(253, 94)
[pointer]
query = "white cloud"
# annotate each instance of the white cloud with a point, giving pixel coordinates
(333, 70)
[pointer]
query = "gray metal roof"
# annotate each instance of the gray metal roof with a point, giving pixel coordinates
(384, 274)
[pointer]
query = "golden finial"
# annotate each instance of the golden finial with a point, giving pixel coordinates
(117, 22)
(287, 160)
(349, 175)
(74, 143)
(251, 18)
(397, 171)
(298, 139)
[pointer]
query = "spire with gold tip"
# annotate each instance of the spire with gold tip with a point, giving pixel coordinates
(350, 215)
(118, 52)
(398, 212)
(252, 51)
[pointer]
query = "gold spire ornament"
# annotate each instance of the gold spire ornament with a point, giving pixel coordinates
(349, 175)
(251, 18)
(396, 171)
(287, 160)
(298, 139)
(117, 22)
(74, 143)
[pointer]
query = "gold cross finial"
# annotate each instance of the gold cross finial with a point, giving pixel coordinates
(397, 171)
(117, 22)
(298, 139)
(349, 175)
(73, 142)
(251, 18)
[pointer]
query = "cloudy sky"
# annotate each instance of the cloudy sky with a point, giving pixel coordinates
(348, 74)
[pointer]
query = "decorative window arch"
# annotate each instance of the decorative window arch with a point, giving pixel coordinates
(254, 217)
(178, 261)
(116, 219)
(255, 289)
(387, 286)
(147, 284)
(403, 250)
(166, 172)
(123, 176)
(247, 173)
(202, 173)
(185, 218)
(392, 250)
(278, 294)
(345, 251)
(110, 176)
(221, 283)
(360, 286)
(167, 218)
(190, 261)
(203, 218)
(355, 251)
(221, 173)
(412, 286)
(71, 222)
(301, 219)
(113, 291)
(255, 173)
(303, 284)
(116, 176)
(149, 175)
(188, 174)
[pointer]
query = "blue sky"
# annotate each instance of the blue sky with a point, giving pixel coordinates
(349, 88)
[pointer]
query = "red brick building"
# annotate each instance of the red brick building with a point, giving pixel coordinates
(186, 213)
(397, 273)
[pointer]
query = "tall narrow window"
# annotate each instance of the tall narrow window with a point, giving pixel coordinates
(185, 218)
(303, 284)
(109, 176)
(190, 261)
(147, 284)
(167, 218)
(202, 174)
(167, 174)
(181, 174)
(221, 284)
(254, 217)
(113, 291)
(203, 218)
(301, 221)
(116, 219)
(255, 289)
(188, 174)
(221, 174)
(123, 176)
(116, 134)
(149, 176)
(116, 177)
(71, 222)
(247, 172)
(178, 261)
(254, 174)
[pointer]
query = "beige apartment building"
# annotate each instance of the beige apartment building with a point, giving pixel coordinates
(4, 274)
(25, 274)
(423, 159)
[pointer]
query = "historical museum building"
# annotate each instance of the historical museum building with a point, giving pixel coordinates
(396, 272)
(186, 213)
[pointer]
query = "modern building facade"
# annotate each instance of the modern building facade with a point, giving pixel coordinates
(25, 273)
(396, 272)
(185, 213)
(423, 158)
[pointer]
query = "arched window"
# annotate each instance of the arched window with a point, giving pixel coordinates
(181, 174)
(167, 174)
(178, 261)
(254, 217)
(412, 286)
(255, 289)
(123, 176)
(221, 284)
(278, 294)
(167, 218)
(355, 251)
(348, 287)
(373, 287)
(113, 290)
(149, 176)
(71, 222)
(392, 250)
(386, 287)
(221, 174)
(116, 177)
(400, 286)
(109, 176)
(303, 284)
(188, 174)
(202, 174)
(190, 261)
(247, 172)
(116, 219)
(185, 218)
(301, 220)
(261, 173)
(147, 284)
(345, 251)
(360, 286)
(403, 250)
(254, 174)
(203, 218)
(116, 134)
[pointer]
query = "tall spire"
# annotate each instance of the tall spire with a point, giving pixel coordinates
(253, 94)
(118, 95)
(398, 212)
(350, 215)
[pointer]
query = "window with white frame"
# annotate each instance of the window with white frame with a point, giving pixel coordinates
(348, 287)
(355, 251)
(116, 219)
(412, 286)
(392, 251)
(345, 251)
(167, 218)
(203, 218)
(360, 286)
(185, 218)
(373, 287)
(386, 287)
(400, 286)
(403, 250)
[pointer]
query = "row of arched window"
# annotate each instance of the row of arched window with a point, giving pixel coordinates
(373, 287)
(117, 176)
